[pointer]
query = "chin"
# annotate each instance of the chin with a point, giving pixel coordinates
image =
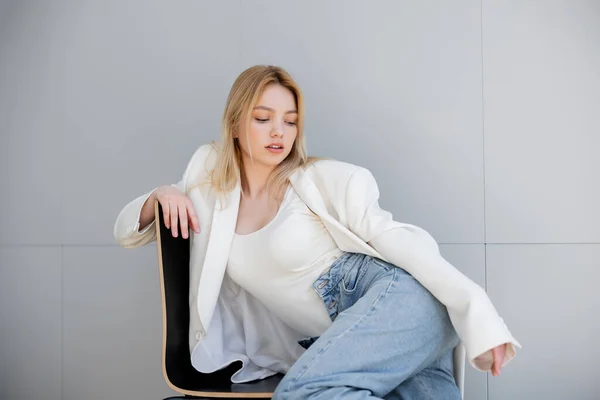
(265, 157)
(273, 162)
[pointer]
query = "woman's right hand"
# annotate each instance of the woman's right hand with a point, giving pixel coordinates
(177, 208)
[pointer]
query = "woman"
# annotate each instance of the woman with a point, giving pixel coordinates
(295, 268)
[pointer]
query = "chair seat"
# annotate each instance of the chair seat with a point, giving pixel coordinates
(261, 389)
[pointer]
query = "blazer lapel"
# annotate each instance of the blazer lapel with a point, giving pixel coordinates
(313, 198)
(217, 253)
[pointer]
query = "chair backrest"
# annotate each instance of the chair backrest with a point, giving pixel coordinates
(459, 356)
(180, 375)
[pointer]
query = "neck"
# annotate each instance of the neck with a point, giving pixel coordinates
(254, 178)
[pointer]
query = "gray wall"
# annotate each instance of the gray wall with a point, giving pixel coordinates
(478, 118)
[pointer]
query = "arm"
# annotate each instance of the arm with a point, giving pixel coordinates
(474, 317)
(147, 213)
(135, 225)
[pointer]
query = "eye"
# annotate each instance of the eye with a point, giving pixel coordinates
(291, 123)
(261, 120)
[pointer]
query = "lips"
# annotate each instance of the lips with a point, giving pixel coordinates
(275, 148)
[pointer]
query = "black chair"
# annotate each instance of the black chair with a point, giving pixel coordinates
(180, 375)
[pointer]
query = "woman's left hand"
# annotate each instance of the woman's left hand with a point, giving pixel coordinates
(498, 353)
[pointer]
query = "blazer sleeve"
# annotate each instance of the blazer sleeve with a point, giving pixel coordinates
(126, 229)
(410, 247)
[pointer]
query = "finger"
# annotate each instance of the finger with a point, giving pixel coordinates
(493, 369)
(498, 359)
(173, 215)
(501, 355)
(183, 219)
(193, 217)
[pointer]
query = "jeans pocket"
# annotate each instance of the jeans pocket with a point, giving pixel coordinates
(352, 277)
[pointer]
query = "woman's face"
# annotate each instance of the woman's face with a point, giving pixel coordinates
(272, 129)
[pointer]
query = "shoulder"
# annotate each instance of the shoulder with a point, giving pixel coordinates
(330, 171)
(201, 163)
(204, 154)
(338, 180)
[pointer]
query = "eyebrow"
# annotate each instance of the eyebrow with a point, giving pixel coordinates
(270, 109)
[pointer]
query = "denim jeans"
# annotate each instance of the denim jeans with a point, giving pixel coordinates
(390, 339)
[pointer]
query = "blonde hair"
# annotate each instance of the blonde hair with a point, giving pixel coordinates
(242, 99)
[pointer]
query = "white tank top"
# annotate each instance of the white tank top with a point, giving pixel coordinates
(279, 263)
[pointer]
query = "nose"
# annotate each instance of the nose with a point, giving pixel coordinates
(277, 130)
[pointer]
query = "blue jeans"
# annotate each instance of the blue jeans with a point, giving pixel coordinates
(390, 339)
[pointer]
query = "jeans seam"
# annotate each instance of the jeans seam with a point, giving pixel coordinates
(425, 388)
(350, 329)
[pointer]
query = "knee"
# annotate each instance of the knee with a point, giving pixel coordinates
(421, 299)
(427, 311)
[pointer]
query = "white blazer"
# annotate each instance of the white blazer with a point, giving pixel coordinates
(345, 197)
